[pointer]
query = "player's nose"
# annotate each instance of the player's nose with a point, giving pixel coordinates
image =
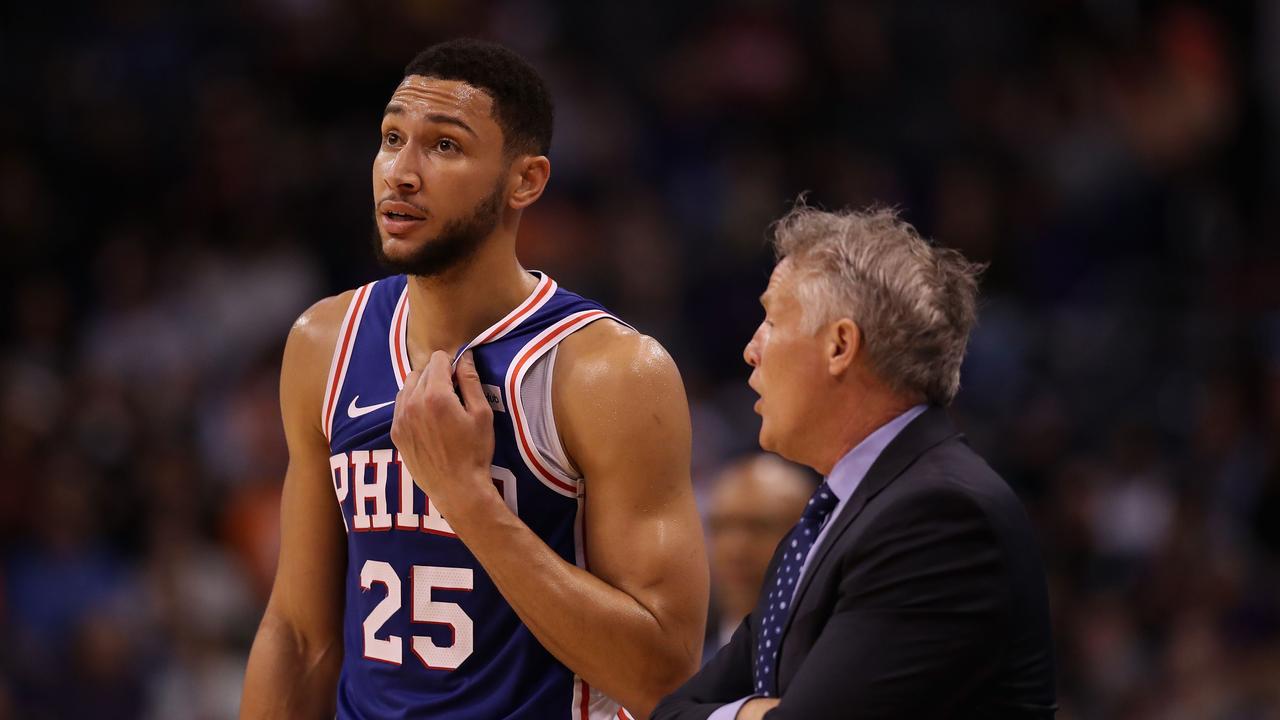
(404, 175)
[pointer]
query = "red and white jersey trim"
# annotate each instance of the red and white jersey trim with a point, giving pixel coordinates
(542, 292)
(541, 468)
(398, 340)
(591, 704)
(342, 356)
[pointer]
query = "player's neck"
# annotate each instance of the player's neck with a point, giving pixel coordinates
(447, 311)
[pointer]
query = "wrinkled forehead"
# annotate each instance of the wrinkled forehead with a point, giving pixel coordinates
(781, 282)
(418, 94)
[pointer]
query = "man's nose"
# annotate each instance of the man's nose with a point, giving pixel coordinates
(404, 175)
(751, 353)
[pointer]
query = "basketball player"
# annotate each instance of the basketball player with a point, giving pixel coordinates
(525, 546)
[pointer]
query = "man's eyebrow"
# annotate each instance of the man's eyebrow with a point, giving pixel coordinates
(436, 117)
(451, 120)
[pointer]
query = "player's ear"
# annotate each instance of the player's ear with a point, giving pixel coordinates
(842, 341)
(530, 174)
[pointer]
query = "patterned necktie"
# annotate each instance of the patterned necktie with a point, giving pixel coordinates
(782, 585)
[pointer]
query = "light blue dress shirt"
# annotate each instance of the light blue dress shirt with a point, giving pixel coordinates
(843, 480)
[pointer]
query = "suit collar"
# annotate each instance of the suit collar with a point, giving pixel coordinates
(927, 430)
(850, 469)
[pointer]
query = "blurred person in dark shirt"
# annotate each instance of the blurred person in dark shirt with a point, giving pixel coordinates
(753, 503)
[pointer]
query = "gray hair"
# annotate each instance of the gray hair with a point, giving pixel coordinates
(914, 303)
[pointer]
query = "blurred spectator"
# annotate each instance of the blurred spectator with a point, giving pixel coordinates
(753, 503)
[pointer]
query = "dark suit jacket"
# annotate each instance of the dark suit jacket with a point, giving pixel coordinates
(926, 599)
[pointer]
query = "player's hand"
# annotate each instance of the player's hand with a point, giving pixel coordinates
(446, 441)
(755, 708)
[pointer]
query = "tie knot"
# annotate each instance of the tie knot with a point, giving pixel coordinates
(821, 504)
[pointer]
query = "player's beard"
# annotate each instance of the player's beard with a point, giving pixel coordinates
(456, 243)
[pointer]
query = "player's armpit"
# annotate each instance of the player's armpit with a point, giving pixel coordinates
(623, 418)
(293, 666)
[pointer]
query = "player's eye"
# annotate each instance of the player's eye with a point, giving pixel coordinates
(391, 138)
(446, 145)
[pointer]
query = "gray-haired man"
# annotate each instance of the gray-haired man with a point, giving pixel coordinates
(911, 587)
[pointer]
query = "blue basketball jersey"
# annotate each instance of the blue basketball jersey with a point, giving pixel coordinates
(426, 633)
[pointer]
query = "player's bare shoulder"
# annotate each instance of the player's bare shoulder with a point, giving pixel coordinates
(316, 329)
(308, 353)
(612, 384)
(606, 356)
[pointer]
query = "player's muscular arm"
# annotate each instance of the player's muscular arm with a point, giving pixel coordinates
(293, 667)
(632, 626)
(624, 420)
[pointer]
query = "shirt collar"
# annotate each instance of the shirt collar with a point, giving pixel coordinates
(850, 469)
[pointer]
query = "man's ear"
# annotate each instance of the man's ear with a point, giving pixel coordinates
(843, 343)
(530, 174)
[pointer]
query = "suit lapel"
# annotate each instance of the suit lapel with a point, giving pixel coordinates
(932, 427)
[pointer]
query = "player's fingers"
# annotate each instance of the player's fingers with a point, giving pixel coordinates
(469, 384)
(411, 381)
(407, 392)
(398, 412)
(439, 377)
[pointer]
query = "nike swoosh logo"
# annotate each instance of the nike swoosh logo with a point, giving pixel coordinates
(354, 412)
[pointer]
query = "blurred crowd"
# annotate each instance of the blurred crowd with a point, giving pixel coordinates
(179, 180)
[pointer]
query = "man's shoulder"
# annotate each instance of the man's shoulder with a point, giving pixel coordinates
(307, 355)
(318, 326)
(953, 473)
(607, 353)
(615, 385)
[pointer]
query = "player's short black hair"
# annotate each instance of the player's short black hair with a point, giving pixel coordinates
(521, 103)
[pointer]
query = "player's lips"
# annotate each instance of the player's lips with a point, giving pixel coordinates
(399, 217)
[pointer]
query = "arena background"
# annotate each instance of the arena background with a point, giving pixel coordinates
(179, 180)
